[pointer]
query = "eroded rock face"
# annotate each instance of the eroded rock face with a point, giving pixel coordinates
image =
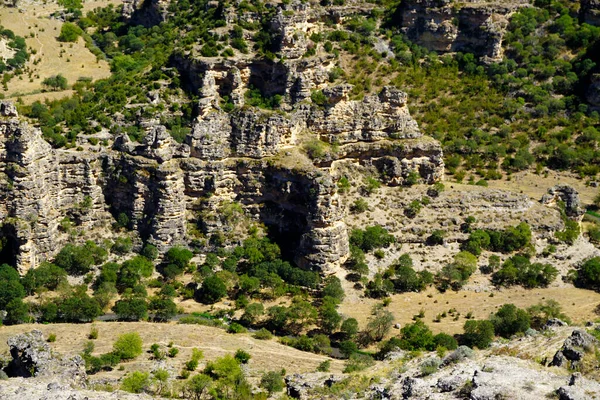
(593, 91)
(33, 357)
(145, 12)
(569, 196)
(235, 153)
(573, 349)
(590, 12)
(447, 26)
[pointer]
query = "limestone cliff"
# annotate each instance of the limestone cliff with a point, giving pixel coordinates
(248, 157)
(473, 26)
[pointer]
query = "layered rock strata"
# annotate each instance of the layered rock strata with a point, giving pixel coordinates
(474, 26)
(248, 156)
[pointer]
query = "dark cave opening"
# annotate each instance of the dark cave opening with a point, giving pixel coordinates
(285, 228)
(9, 245)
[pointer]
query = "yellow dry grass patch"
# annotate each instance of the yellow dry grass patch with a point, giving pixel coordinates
(76, 60)
(535, 186)
(578, 304)
(266, 355)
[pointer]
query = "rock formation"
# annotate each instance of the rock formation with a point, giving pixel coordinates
(574, 349)
(569, 196)
(247, 156)
(473, 26)
(33, 357)
(590, 12)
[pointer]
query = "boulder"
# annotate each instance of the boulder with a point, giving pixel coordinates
(33, 357)
(573, 349)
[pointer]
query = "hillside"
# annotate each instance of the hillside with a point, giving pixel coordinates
(252, 199)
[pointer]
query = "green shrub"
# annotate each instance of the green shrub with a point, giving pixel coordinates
(510, 320)
(478, 333)
(136, 382)
(128, 346)
(358, 362)
(372, 237)
(51, 338)
(430, 366)
(242, 356)
(518, 270)
(262, 334)
(272, 382)
(324, 366)
(236, 328)
(588, 275)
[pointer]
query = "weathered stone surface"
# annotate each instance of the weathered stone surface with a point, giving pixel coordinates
(299, 385)
(47, 389)
(145, 12)
(593, 91)
(590, 12)
(32, 357)
(574, 349)
(447, 26)
(569, 196)
(374, 118)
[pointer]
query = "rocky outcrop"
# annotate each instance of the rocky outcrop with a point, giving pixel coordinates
(236, 152)
(569, 196)
(33, 357)
(574, 349)
(590, 12)
(299, 386)
(40, 187)
(43, 389)
(374, 118)
(488, 378)
(145, 12)
(447, 26)
(593, 90)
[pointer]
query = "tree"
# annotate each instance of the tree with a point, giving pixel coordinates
(197, 386)
(136, 382)
(301, 314)
(17, 312)
(272, 381)
(378, 325)
(10, 290)
(212, 290)
(176, 261)
(128, 346)
(416, 336)
(252, 313)
(349, 327)
(445, 341)
(47, 276)
(330, 318)
(56, 82)
(278, 317)
(79, 307)
(164, 308)
(588, 275)
(333, 289)
(132, 309)
(478, 333)
(540, 313)
(510, 320)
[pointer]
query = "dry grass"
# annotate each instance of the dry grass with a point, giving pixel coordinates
(76, 62)
(214, 342)
(578, 304)
(535, 186)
